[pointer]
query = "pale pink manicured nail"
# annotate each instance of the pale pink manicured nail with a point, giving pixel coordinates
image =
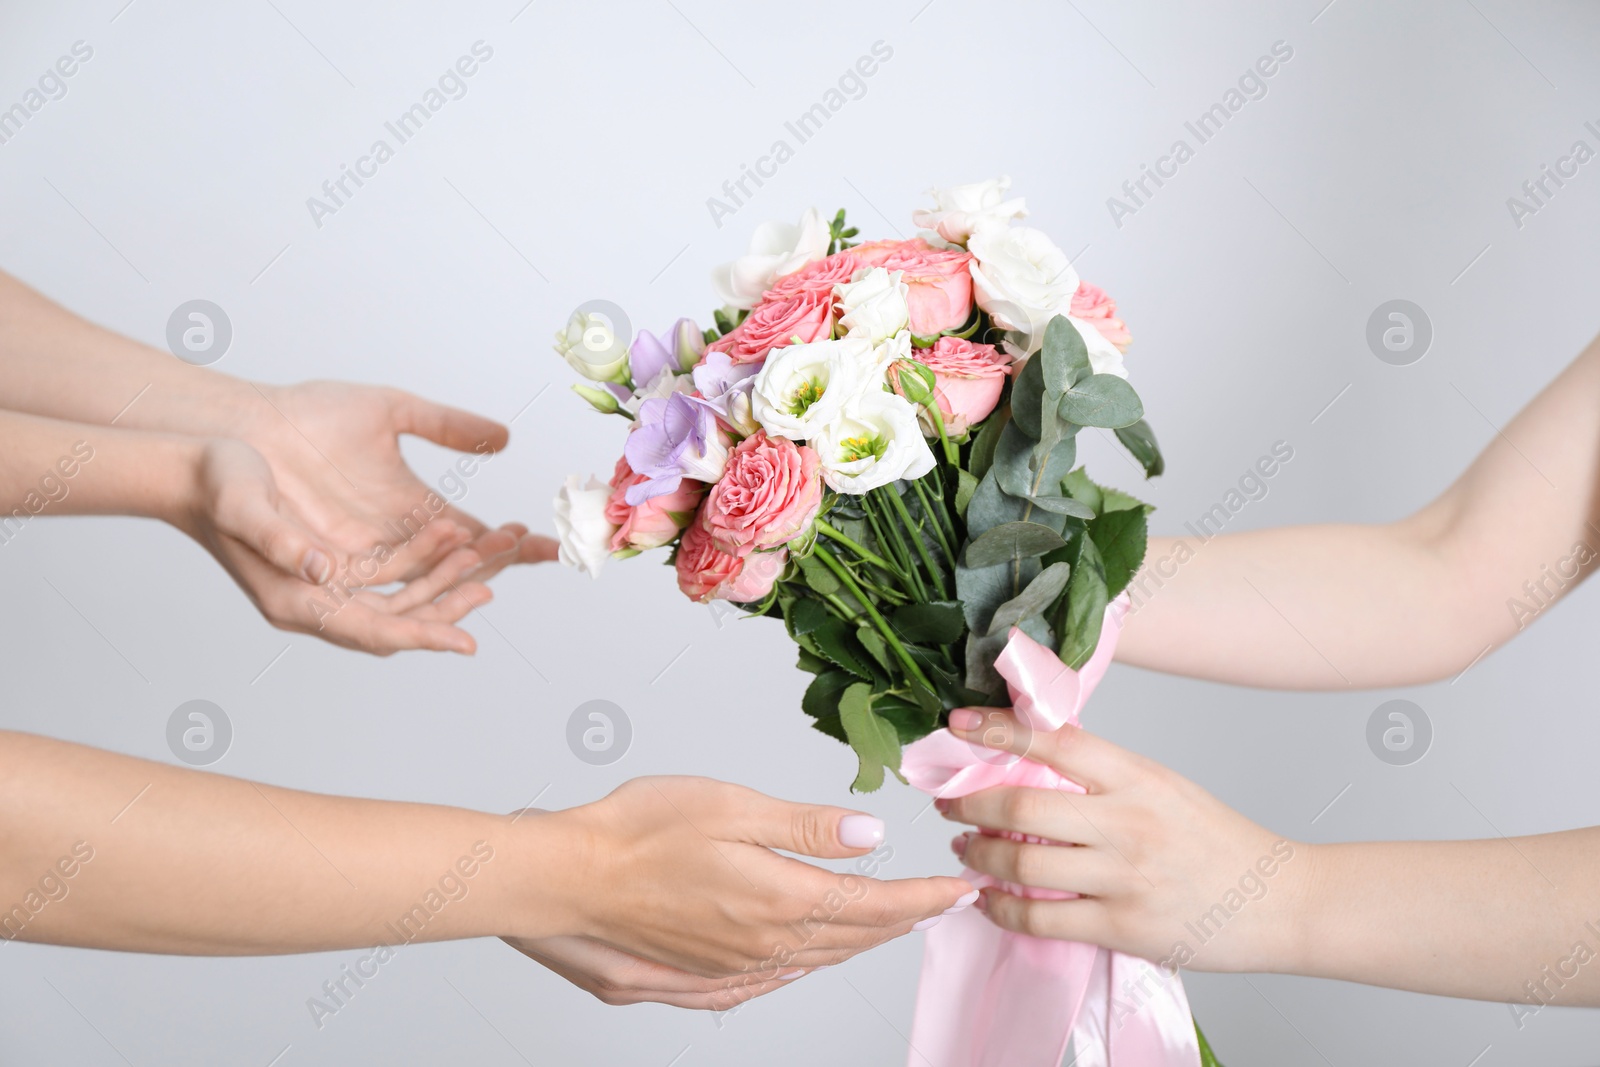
(860, 831)
(928, 923)
(316, 567)
(965, 719)
(958, 845)
(790, 976)
(962, 903)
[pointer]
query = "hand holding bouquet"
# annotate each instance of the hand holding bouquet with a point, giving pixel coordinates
(877, 444)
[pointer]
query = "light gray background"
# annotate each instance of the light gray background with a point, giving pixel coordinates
(1377, 167)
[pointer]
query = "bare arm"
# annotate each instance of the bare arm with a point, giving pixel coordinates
(1324, 607)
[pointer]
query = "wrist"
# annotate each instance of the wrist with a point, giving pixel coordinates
(1301, 924)
(544, 888)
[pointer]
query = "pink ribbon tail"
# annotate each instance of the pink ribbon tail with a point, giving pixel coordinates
(992, 998)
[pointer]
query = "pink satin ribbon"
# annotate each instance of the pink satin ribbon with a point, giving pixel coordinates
(993, 998)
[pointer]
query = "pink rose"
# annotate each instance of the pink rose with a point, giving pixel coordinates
(873, 253)
(1091, 304)
(818, 277)
(766, 497)
(807, 315)
(938, 285)
(967, 380)
(705, 572)
(656, 521)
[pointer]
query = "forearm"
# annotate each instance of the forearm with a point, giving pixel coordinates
(62, 468)
(165, 859)
(1325, 607)
(1478, 919)
(55, 364)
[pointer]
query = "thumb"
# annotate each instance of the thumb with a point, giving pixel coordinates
(281, 541)
(818, 830)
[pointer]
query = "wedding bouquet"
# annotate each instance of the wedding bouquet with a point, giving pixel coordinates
(877, 444)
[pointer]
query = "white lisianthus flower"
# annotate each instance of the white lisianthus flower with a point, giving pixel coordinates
(962, 210)
(874, 442)
(803, 388)
(884, 356)
(874, 304)
(776, 249)
(1022, 280)
(581, 524)
(1104, 357)
(590, 344)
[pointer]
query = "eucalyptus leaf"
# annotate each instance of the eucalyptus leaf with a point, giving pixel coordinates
(983, 445)
(1063, 505)
(937, 623)
(1064, 357)
(1016, 468)
(981, 677)
(991, 506)
(1140, 440)
(1035, 600)
(1011, 541)
(1101, 400)
(1027, 397)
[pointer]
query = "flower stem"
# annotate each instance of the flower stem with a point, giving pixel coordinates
(914, 531)
(874, 500)
(830, 532)
(925, 496)
(878, 620)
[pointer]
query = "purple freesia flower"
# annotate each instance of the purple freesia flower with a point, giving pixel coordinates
(676, 350)
(675, 438)
(720, 382)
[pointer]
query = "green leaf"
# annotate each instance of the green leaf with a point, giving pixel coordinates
(966, 485)
(990, 506)
(830, 725)
(910, 720)
(876, 741)
(1035, 600)
(818, 576)
(1085, 607)
(1101, 400)
(937, 623)
(807, 615)
(1117, 500)
(1140, 440)
(822, 695)
(812, 663)
(1064, 357)
(1011, 541)
(1078, 486)
(983, 444)
(873, 642)
(1027, 397)
(1063, 505)
(1016, 469)
(1120, 537)
(834, 641)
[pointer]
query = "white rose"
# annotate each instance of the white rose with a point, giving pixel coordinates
(581, 524)
(803, 388)
(962, 210)
(875, 441)
(874, 304)
(1104, 357)
(1022, 280)
(776, 249)
(591, 346)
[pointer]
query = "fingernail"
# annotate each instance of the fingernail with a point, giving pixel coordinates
(965, 719)
(963, 903)
(928, 923)
(982, 903)
(941, 805)
(860, 831)
(790, 976)
(958, 845)
(316, 567)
